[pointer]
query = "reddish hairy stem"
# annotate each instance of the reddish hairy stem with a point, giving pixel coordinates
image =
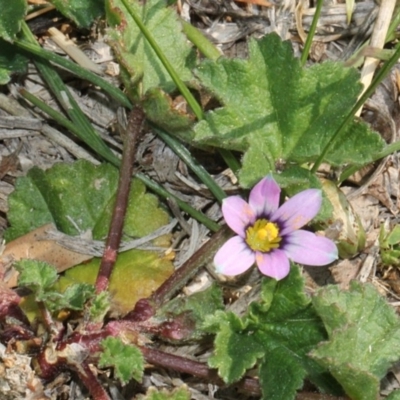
(134, 128)
(90, 381)
(195, 368)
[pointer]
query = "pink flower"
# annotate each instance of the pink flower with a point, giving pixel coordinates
(269, 235)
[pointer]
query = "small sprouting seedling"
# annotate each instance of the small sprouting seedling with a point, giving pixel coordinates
(389, 244)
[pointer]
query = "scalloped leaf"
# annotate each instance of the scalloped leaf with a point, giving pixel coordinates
(364, 337)
(274, 110)
(127, 360)
(41, 278)
(235, 351)
(277, 333)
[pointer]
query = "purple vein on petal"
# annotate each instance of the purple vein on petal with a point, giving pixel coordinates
(234, 257)
(264, 197)
(238, 214)
(307, 248)
(274, 264)
(298, 210)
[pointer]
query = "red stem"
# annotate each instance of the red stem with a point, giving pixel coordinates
(134, 128)
(90, 381)
(195, 368)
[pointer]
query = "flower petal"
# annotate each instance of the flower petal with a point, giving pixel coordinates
(307, 248)
(234, 257)
(274, 264)
(238, 214)
(298, 210)
(264, 197)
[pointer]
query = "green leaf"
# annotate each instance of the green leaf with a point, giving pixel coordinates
(11, 16)
(159, 108)
(78, 197)
(285, 299)
(279, 331)
(99, 307)
(395, 395)
(127, 360)
(143, 215)
(180, 393)
(42, 278)
(364, 338)
(82, 12)
(274, 111)
(36, 275)
(286, 344)
(192, 310)
(293, 372)
(288, 330)
(11, 61)
(73, 298)
(235, 351)
(393, 237)
(134, 53)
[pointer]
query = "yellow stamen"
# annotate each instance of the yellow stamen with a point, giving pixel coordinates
(263, 236)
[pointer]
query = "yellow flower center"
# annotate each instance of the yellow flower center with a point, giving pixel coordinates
(263, 236)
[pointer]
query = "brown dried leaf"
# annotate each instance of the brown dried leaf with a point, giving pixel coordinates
(34, 247)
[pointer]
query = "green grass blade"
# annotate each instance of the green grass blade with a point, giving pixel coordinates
(83, 73)
(87, 133)
(200, 41)
(378, 79)
(195, 106)
(197, 168)
(199, 216)
(311, 33)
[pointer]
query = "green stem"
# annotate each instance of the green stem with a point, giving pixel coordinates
(83, 73)
(391, 34)
(389, 149)
(311, 33)
(197, 168)
(230, 160)
(168, 66)
(58, 117)
(378, 79)
(200, 41)
(199, 216)
(212, 53)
